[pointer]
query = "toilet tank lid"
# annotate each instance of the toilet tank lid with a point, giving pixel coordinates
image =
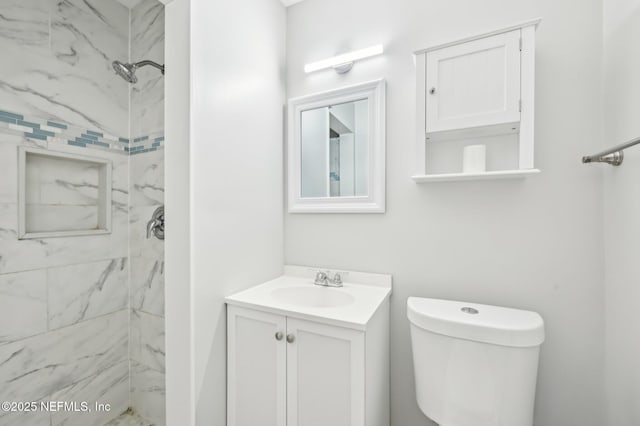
(480, 323)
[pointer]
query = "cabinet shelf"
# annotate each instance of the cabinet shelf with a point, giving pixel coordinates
(474, 132)
(455, 177)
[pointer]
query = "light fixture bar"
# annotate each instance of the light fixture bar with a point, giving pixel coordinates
(346, 58)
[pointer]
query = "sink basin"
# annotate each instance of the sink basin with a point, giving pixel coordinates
(313, 296)
(293, 295)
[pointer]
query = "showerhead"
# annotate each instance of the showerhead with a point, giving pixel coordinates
(128, 71)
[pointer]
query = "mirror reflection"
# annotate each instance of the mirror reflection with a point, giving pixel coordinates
(335, 150)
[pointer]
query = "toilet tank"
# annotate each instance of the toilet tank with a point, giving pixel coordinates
(475, 365)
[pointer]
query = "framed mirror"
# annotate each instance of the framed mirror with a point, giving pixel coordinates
(336, 150)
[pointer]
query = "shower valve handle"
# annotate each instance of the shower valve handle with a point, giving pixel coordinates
(156, 224)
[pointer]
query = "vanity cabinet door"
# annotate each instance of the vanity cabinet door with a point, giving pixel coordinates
(474, 84)
(256, 368)
(325, 375)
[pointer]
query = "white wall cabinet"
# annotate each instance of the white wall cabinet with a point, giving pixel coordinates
(474, 84)
(285, 371)
(477, 90)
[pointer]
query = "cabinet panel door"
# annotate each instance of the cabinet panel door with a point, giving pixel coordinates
(256, 368)
(474, 84)
(325, 375)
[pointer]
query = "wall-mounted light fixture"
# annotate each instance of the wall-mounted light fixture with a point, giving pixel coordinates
(343, 63)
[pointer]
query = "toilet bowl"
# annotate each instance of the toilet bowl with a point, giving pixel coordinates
(474, 365)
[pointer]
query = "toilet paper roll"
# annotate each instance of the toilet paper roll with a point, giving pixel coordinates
(474, 159)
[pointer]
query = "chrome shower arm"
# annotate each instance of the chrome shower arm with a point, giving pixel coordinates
(148, 62)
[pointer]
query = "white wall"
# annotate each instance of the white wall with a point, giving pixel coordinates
(533, 244)
(315, 134)
(224, 103)
(237, 89)
(622, 212)
(179, 294)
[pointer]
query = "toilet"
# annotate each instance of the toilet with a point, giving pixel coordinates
(474, 365)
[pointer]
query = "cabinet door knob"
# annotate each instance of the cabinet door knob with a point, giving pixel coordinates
(432, 91)
(279, 335)
(291, 338)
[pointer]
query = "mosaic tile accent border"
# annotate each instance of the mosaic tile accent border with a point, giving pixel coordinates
(51, 131)
(146, 143)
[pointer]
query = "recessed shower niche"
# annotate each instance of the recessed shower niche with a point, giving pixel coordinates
(62, 194)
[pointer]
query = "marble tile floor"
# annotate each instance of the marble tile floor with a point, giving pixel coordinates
(128, 418)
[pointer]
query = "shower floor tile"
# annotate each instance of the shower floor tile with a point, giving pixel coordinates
(128, 419)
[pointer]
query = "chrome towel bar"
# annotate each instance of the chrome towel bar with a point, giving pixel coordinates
(613, 156)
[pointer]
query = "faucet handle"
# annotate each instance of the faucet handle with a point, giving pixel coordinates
(321, 278)
(151, 226)
(337, 279)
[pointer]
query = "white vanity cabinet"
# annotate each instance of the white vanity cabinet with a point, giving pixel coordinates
(325, 375)
(300, 354)
(285, 371)
(256, 368)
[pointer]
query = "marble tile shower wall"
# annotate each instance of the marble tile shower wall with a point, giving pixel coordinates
(147, 349)
(60, 67)
(59, 85)
(146, 194)
(66, 304)
(63, 301)
(147, 42)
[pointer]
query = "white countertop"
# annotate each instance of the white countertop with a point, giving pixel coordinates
(369, 292)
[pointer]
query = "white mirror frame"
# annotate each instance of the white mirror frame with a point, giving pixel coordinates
(374, 202)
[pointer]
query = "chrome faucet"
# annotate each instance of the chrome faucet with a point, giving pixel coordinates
(322, 279)
(156, 224)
